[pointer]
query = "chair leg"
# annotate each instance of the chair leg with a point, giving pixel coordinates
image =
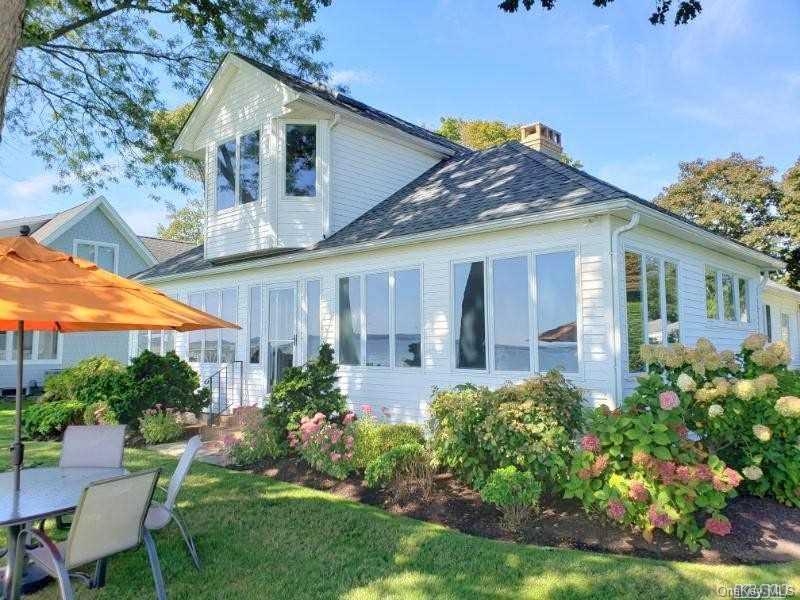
(155, 566)
(187, 537)
(99, 578)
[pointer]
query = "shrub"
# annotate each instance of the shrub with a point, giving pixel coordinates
(515, 493)
(529, 426)
(374, 438)
(160, 425)
(99, 413)
(405, 469)
(166, 380)
(47, 420)
(260, 440)
(326, 445)
(745, 407)
(96, 379)
(305, 391)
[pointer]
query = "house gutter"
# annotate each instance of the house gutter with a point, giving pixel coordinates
(616, 321)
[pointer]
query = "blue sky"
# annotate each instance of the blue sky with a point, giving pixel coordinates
(630, 99)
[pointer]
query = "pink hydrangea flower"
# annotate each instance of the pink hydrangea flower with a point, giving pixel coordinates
(658, 519)
(704, 473)
(336, 457)
(616, 510)
(335, 435)
(349, 441)
(669, 400)
(600, 464)
(733, 477)
(666, 471)
(349, 418)
(718, 526)
(590, 443)
(366, 409)
(684, 474)
(638, 493)
(721, 485)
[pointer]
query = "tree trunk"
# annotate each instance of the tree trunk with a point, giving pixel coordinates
(11, 13)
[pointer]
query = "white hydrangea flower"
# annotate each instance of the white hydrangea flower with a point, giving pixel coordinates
(715, 410)
(753, 473)
(686, 383)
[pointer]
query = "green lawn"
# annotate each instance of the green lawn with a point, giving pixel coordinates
(265, 539)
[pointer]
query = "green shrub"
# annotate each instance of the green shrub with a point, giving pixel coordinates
(374, 438)
(305, 391)
(166, 380)
(99, 413)
(326, 445)
(516, 493)
(159, 426)
(260, 440)
(405, 469)
(47, 420)
(96, 379)
(529, 426)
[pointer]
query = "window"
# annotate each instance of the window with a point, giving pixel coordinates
(214, 345)
(47, 345)
(407, 329)
(768, 321)
(102, 254)
(744, 300)
(785, 329)
(255, 325)
(228, 336)
(511, 314)
(651, 304)
(301, 158)
(712, 308)
(313, 336)
(377, 313)
(195, 351)
(727, 296)
(36, 345)
(211, 336)
(27, 346)
(728, 304)
(281, 332)
(557, 312)
(238, 170)
(350, 320)
(158, 342)
(469, 315)
(4, 337)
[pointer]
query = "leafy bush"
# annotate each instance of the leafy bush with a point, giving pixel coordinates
(260, 440)
(374, 438)
(160, 425)
(515, 493)
(405, 469)
(99, 413)
(96, 379)
(530, 426)
(326, 445)
(305, 391)
(746, 407)
(47, 420)
(166, 380)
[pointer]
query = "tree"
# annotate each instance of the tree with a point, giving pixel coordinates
(479, 134)
(687, 9)
(185, 224)
(740, 199)
(86, 75)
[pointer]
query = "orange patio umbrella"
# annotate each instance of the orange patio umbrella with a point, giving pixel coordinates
(45, 290)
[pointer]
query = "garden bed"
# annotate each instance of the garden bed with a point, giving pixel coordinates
(764, 531)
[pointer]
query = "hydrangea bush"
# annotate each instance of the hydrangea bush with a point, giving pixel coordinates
(745, 407)
(326, 445)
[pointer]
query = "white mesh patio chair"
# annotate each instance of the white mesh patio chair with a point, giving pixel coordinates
(109, 520)
(93, 446)
(160, 515)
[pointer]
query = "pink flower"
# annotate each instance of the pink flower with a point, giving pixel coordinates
(600, 464)
(348, 455)
(668, 400)
(721, 485)
(684, 474)
(349, 441)
(718, 526)
(658, 519)
(682, 431)
(642, 459)
(616, 510)
(349, 418)
(336, 457)
(638, 493)
(336, 435)
(319, 417)
(733, 476)
(590, 443)
(704, 473)
(666, 471)
(366, 409)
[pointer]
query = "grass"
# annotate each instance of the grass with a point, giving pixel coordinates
(260, 538)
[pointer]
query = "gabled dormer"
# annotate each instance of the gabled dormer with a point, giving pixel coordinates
(288, 163)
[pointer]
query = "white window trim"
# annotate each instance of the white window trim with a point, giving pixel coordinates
(115, 247)
(34, 359)
(663, 300)
(262, 311)
(362, 317)
(203, 292)
(533, 317)
(265, 340)
(237, 139)
(720, 316)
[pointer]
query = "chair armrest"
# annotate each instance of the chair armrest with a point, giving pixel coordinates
(47, 544)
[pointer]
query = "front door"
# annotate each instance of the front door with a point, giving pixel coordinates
(281, 333)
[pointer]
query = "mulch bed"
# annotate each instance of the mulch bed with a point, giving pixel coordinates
(763, 530)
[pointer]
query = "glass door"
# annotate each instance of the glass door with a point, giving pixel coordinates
(281, 333)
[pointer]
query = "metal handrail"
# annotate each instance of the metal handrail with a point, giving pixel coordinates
(230, 386)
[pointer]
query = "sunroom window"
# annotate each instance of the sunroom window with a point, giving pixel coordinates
(238, 170)
(214, 345)
(301, 160)
(727, 296)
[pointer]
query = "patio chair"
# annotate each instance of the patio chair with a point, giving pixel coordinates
(109, 520)
(160, 515)
(88, 446)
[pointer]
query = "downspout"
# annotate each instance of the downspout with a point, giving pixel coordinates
(616, 350)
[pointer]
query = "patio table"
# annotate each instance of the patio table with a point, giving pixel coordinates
(45, 492)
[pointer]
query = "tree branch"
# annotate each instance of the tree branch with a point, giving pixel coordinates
(64, 29)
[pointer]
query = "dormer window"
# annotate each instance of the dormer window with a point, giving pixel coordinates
(238, 171)
(301, 160)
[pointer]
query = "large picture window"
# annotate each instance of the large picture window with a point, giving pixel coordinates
(651, 304)
(214, 346)
(469, 315)
(377, 312)
(313, 335)
(238, 170)
(301, 160)
(350, 320)
(557, 312)
(511, 314)
(255, 325)
(407, 327)
(727, 296)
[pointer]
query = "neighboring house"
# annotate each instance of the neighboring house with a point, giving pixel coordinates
(95, 231)
(426, 264)
(782, 317)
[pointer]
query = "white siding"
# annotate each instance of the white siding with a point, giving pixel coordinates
(785, 302)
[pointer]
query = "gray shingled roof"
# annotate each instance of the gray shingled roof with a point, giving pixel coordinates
(163, 249)
(353, 105)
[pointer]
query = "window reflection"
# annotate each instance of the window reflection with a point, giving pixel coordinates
(511, 320)
(248, 168)
(469, 318)
(557, 310)
(712, 309)
(634, 309)
(407, 337)
(313, 338)
(301, 153)
(654, 326)
(350, 320)
(671, 291)
(226, 174)
(377, 310)
(728, 305)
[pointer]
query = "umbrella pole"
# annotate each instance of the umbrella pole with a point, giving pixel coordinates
(17, 448)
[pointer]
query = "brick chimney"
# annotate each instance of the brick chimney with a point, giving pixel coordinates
(542, 138)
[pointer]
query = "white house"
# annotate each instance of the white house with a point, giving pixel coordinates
(95, 231)
(426, 264)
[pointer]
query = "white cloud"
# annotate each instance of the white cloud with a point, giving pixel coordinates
(348, 77)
